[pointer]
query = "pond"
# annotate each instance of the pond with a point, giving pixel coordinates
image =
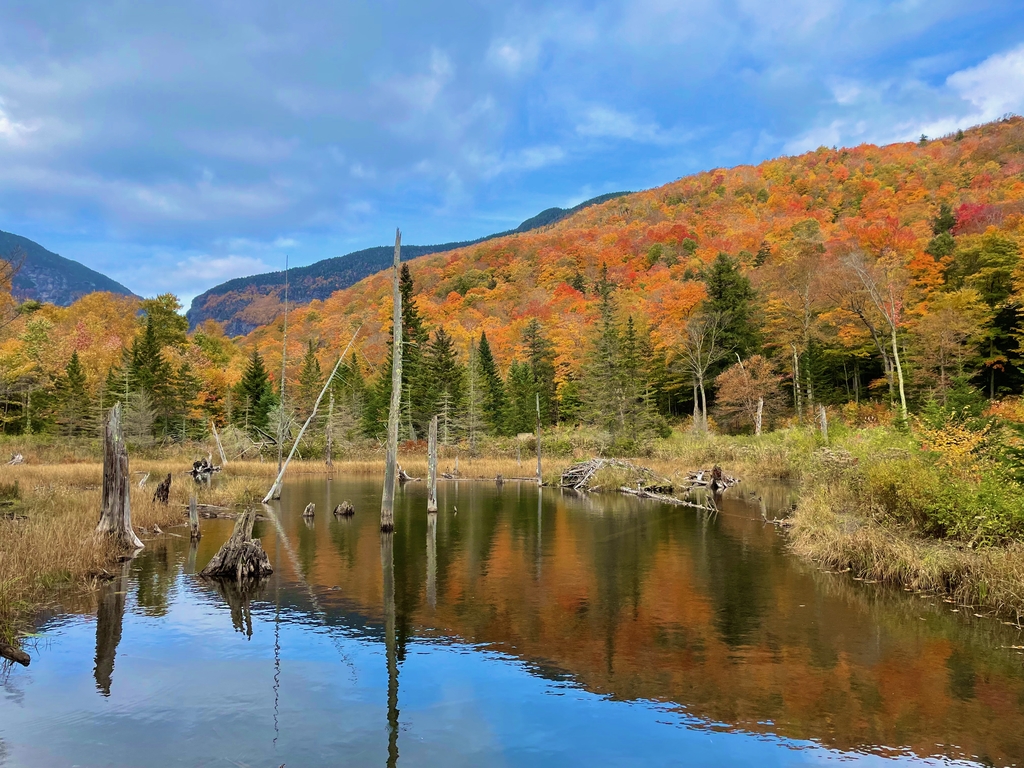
(517, 627)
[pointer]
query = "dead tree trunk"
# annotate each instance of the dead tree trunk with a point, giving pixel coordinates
(310, 510)
(759, 416)
(242, 557)
(116, 508)
(432, 466)
(220, 448)
(387, 502)
(540, 480)
(193, 519)
(824, 424)
(330, 433)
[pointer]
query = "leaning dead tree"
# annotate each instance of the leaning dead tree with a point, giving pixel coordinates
(387, 502)
(432, 466)
(116, 508)
(275, 489)
(242, 557)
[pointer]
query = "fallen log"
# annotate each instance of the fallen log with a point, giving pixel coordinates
(16, 655)
(16, 459)
(242, 557)
(643, 494)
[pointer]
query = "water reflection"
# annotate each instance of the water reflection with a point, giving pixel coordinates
(696, 625)
(109, 621)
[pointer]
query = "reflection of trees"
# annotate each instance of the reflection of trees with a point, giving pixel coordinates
(155, 573)
(109, 620)
(432, 560)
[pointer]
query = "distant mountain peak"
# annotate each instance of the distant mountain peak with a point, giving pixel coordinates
(47, 277)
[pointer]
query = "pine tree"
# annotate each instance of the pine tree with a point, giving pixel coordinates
(520, 408)
(311, 381)
(447, 392)
(731, 298)
(603, 379)
(541, 359)
(73, 399)
(254, 393)
(492, 389)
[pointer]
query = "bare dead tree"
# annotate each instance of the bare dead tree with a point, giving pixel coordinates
(701, 350)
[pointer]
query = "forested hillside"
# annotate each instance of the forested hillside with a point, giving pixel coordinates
(876, 281)
(246, 303)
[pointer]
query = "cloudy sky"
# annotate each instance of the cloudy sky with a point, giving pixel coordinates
(175, 145)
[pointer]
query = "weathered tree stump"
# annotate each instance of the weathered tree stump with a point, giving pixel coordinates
(405, 477)
(242, 557)
(310, 510)
(163, 490)
(193, 519)
(116, 510)
(345, 509)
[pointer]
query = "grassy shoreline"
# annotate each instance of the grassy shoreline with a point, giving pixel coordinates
(866, 503)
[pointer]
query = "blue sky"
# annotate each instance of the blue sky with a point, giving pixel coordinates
(176, 145)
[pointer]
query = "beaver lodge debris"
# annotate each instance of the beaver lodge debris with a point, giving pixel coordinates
(203, 469)
(242, 557)
(644, 483)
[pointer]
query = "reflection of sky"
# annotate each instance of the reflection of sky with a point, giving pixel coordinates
(190, 690)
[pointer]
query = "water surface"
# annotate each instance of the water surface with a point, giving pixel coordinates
(516, 627)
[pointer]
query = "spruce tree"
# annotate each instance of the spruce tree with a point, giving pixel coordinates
(492, 389)
(731, 297)
(255, 394)
(541, 359)
(446, 395)
(73, 398)
(520, 403)
(311, 381)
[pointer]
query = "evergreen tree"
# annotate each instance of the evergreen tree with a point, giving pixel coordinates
(603, 380)
(73, 411)
(447, 392)
(541, 359)
(731, 297)
(492, 388)
(254, 393)
(311, 381)
(520, 402)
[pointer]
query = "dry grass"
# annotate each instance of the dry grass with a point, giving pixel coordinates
(830, 527)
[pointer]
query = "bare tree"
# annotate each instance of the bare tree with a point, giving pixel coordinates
(701, 350)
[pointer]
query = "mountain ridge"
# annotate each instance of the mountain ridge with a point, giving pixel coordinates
(243, 304)
(47, 277)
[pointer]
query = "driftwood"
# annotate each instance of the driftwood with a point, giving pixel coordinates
(345, 509)
(16, 459)
(143, 480)
(405, 477)
(116, 510)
(242, 557)
(17, 655)
(163, 490)
(713, 479)
(310, 510)
(644, 494)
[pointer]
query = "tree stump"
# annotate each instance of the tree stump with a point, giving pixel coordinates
(310, 510)
(345, 509)
(163, 490)
(116, 510)
(193, 519)
(242, 557)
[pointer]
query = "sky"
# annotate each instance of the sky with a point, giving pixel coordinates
(173, 146)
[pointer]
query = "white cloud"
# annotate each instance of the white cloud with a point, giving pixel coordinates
(604, 122)
(994, 87)
(513, 56)
(208, 270)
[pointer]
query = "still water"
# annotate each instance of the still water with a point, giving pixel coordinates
(527, 628)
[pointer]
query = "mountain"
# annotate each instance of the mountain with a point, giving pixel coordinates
(49, 278)
(245, 303)
(934, 222)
